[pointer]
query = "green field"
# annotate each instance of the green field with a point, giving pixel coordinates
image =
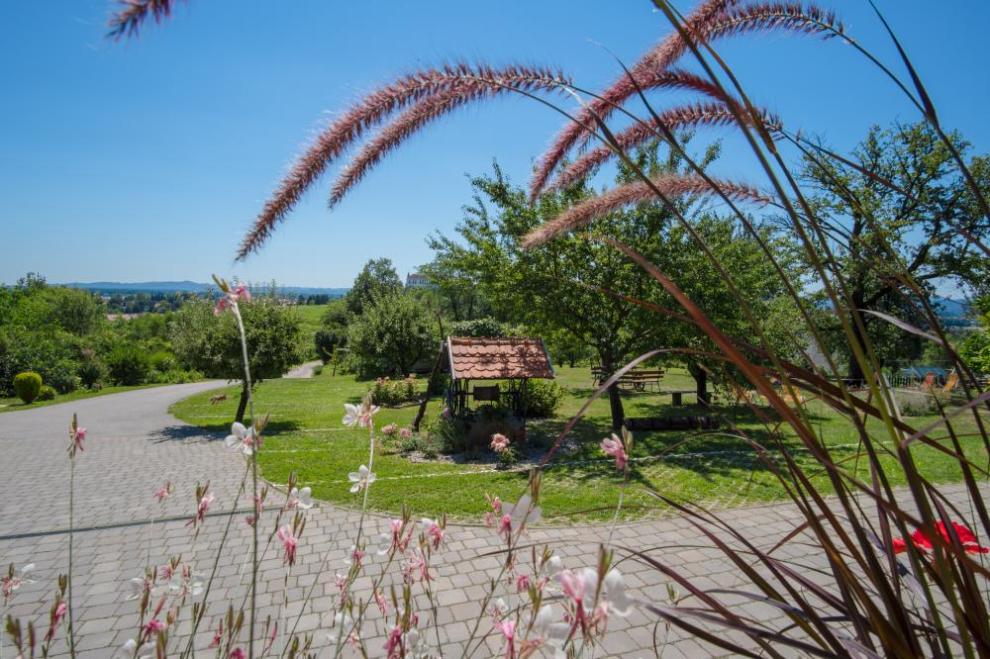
(309, 316)
(306, 436)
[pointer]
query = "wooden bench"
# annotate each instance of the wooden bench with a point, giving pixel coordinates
(636, 379)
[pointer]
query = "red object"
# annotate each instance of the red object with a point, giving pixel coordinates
(498, 358)
(966, 537)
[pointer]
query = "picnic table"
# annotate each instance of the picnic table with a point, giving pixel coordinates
(638, 379)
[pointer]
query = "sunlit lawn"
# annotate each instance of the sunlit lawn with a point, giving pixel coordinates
(306, 436)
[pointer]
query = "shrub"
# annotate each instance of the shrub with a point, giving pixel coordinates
(47, 392)
(27, 386)
(128, 365)
(391, 393)
(91, 372)
(392, 336)
(61, 375)
(541, 398)
(318, 369)
(163, 362)
(473, 433)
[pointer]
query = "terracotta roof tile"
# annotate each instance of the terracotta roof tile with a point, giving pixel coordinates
(498, 358)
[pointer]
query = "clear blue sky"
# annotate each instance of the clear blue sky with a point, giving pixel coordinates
(147, 160)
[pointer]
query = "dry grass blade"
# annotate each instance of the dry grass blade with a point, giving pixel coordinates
(632, 193)
(349, 127)
(127, 21)
(486, 84)
(688, 116)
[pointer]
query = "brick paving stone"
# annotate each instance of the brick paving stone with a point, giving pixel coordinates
(134, 445)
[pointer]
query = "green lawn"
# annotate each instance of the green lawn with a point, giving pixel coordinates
(306, 436)
(309, 316)
(15, 404)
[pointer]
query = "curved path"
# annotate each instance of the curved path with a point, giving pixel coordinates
(133, 446)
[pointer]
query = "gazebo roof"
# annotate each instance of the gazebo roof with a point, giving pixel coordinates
(489, 358)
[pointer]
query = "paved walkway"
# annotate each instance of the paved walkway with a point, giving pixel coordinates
(134, 445)
(303, 370)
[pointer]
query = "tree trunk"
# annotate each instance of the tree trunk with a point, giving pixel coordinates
(615, 404)
(614, 399)
(242, 404)
(701, 385)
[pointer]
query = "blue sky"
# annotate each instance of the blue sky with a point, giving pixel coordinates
(148, 159)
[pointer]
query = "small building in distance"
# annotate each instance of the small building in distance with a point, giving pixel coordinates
(417, 280)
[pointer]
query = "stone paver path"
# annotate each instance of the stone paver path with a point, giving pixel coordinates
(134, 446)
(303, 370)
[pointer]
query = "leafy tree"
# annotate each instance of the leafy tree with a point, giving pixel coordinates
(561, 288)
(210, 343)
(377, 278)
(975, 346)
(911, 218)
(332, 334)
(394, 333)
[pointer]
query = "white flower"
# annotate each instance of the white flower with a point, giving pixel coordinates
(240, 437)
(361, 478)
(551, 628)
(523, 512)
(135, 588)
(130, 649)
(341, 622)
(301, 498)
(615, 593)
(359, 415)
(552, 566)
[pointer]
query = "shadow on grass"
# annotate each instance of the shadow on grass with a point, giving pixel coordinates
(215, 431)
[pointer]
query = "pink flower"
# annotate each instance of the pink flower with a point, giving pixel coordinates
(393, 645)
(500, 443)
(78, 435)
(202, 508)
(433, 532)
(154, 626)
(357, 556)
(405, 433)
(236, 653)
(241, 293)
(360, 415)
(60, 612)
(522, 583)
(613, 448)
(165, 572)
(217, 635)
(508, 629)
(390, 429)
(164, 492)
(289, 542)
(250, 520)
(381, 602)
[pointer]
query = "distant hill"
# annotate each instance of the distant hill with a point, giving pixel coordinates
(188, 287)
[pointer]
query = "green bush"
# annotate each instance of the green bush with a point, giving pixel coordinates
(163, 362)
(27, 386)
(128, 365)
(390, 393)
(541, 398)
(473, 433)
(91, 372)
(47, 392)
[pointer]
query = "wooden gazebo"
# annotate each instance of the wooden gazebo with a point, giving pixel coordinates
(474, 360)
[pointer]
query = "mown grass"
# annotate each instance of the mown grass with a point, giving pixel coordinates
(15, 404)
(306, 436)
(309, 321)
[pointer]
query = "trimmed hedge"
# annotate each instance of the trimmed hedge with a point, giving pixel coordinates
(27, 386)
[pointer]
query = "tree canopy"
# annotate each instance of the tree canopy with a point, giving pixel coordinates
(903, 220)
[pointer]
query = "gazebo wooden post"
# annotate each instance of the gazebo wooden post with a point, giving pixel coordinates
(429, 386)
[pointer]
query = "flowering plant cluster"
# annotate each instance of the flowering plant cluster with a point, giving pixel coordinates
(391, 393)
